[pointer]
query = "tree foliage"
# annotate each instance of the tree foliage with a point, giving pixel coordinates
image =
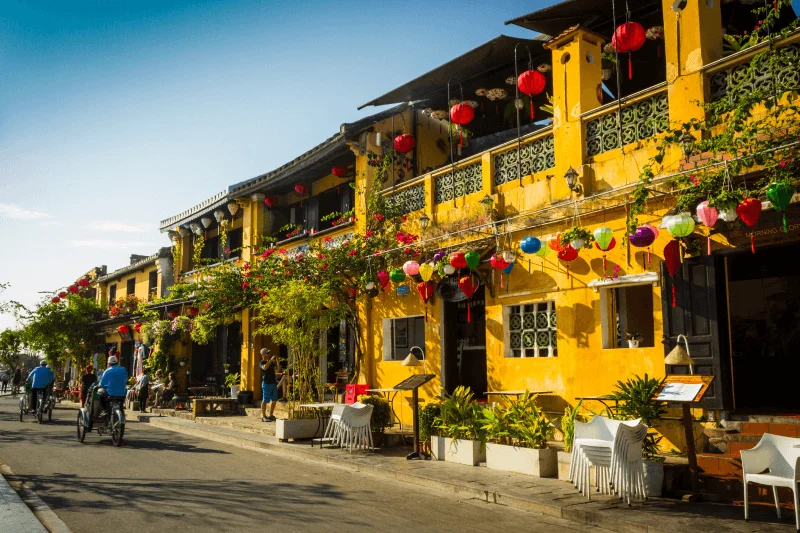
(11, 348)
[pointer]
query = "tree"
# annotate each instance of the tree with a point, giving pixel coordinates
(10, 348)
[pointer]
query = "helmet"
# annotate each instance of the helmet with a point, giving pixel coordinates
(43, 363)
(112, 360)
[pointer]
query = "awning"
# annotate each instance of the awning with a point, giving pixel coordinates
(483, 60)
(594, 14)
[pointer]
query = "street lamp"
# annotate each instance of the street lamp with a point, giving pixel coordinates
(687, 141)
(411, 359)
(572, 180)
(424, 220)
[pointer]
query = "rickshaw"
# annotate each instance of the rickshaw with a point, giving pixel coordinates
(90, 419)
(44, 404)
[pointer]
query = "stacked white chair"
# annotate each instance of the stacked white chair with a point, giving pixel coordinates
(613, 453)
(775, 462)
(354, 427)
(332, 430)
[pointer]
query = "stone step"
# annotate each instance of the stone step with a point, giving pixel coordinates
(783, 428)
(766, 419)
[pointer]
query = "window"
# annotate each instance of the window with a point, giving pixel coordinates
(152, 285)
(112, 293)
(130, 286)
(211, 249)
(400, 334)
(531, 330)
(627, 310)
(235, 242)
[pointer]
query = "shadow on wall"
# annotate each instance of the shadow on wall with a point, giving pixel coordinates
(578, 322)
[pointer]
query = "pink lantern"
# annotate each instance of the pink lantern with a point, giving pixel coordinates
(411, 268)
(708, 216)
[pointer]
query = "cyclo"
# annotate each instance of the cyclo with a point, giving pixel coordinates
(91, 417)
(45, 402)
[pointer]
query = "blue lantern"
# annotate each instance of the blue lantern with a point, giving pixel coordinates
(403, 290)
(530, 245)
(507, 269)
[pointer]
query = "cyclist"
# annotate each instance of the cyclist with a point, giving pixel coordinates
(113, 382)
(41, 377)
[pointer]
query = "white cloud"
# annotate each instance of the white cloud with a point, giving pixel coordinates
(107, 244)
(20, 213)
(113, 225)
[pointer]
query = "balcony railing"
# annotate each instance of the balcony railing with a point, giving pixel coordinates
(451, 185)
(534, 156)
(644, 115)
(407, 200)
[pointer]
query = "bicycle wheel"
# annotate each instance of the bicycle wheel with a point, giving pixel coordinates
(39, 410)
(117, 429)
(81, 428)
(21, 408)
(50, 412)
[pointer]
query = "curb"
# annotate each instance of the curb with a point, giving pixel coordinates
(40, 512)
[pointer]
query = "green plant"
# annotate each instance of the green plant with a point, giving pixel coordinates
(381, 412)
(577, 233)
(427, 417)
(204, 329)
(636, 398)
(568, 425)
(232, 380)
(521, 424)
(197, 251)
(459, 416)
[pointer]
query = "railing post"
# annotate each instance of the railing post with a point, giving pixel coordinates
(487, 172)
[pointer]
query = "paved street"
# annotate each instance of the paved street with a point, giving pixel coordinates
(163, 481)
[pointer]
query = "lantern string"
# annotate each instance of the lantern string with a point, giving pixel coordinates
(674, 300)
(753, 242)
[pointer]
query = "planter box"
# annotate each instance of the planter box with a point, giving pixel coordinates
(564, 460)
(653, 477)
(539, 463)
(305, 428)
(464, 452)
(437, 447)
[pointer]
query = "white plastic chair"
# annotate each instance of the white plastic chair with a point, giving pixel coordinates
(354, 427)
(627, 466)
(774, 461)
(332, 430)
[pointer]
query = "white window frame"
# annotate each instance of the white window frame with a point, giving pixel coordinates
(607, 309)
(536, 351)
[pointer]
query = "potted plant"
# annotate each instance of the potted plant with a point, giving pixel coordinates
(427, 417)
(635, 398)
(232, 382)
(577, 238)
(633, 339)
(516, 438)
(459, 429)
(381, 417)
(568, 431)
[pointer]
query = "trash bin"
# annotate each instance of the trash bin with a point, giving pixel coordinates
(245, 397)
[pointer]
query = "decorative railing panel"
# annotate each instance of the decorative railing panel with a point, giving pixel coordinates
(640, 120)
(464, 181)
(756, 75)
(337, 241)
(408, 200)
(535, 156)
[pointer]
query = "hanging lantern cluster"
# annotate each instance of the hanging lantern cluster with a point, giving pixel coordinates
(531, 83)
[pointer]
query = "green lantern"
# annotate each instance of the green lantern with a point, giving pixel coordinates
(397, 275)
(680, 225)
(544, 251)
(780, 193)
(473, 259)
(603, 236)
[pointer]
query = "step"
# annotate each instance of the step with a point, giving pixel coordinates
(783, 429)
(720, 464)
(766, 419)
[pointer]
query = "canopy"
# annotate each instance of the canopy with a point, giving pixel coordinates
(594, 14)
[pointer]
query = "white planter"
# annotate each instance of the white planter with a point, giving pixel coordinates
(633, 344)
(464, 452)
(235, 391)
(564, 460)
(539, 463)
(438, 447)
(305, 428)
(653, 477)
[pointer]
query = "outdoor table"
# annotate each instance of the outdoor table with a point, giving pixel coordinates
(318, 408)
(390, 394)
(199, 391)
(602, 399)
(516, 392)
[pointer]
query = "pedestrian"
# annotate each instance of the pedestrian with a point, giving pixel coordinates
(16, 381)
(143, 386)
(4, 379)
(87, 380)
(269, 384)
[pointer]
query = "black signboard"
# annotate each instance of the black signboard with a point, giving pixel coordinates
(414, 382)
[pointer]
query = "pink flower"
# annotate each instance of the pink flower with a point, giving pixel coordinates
(378, 217)
(299, 257)
(783, 164)
(245, 285)
(227, 250)
(246, 266)
(320, 256)
(695, 180)
(328, 239)
(345, 243)
(369, 234)
(324, 266)
(208, 305)
(352, 252)
(246, 274)
(282, 251)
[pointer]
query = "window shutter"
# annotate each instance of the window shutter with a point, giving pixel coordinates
(347, 195)
(387, 339)
(312, 213)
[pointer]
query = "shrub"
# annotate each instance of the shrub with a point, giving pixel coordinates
(381, 412)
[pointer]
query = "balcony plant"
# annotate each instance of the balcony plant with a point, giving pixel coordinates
(459, 426)
(577, 237)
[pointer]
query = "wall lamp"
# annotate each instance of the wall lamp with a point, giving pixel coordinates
(571, 178)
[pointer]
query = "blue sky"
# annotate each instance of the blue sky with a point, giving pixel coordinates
(115, 115)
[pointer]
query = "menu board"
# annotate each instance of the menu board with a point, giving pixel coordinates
(684, 388)
(414, 381)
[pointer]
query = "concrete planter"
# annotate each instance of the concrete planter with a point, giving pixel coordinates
(464, 452)
(653, 477)
(235, 392)
(539, 463)
(304, 428)
(564, 460)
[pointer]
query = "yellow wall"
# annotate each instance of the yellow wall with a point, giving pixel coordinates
(142, 284)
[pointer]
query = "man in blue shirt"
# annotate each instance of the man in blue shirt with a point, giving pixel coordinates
(41, 378)
(114, 381)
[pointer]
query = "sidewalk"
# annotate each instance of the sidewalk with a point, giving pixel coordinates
(545, 496)
(15, 516)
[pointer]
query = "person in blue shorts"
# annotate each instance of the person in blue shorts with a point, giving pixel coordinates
(270, 365)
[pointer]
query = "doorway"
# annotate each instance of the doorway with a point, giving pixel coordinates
(126, 356)
(764, 315)
(465, 342)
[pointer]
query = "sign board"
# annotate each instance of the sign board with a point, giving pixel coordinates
(684, 388)
(414, 382)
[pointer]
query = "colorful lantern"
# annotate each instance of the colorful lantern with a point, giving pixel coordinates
(339, 171)
(473, 259)
(780, 193)
(568, 254)
(405, 143)
(426, 271)
(193, 311)
(461, 114)
(449, 270)
(498, 262)
(672, 258)
(531, 82)
(383, 278)
(749, 210)
(438, 256)
(654, 229)
(73, 289)
(554, 242)
(468, 285)
(708, 216)
(83, 282)
(137, 327)
(62, 294)
(426, 290)
(411, 268)
(172, 315)
(680, 225)
(269, 201)
(530, 245)
(397, 275)
(301, 189)
(628, 38)
(55, 299)
(603, 237)
(642, 237)
(610, 246)
(123, 329)
(457, 260)
(544, 251)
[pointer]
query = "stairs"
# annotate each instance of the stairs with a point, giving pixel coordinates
(721, 463)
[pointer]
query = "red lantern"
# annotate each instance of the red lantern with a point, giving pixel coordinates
(404, 143)
(339, 171)
(468, 285)
(628, 38)
(383, 278)
(172, 315)
(750, 211)
(72, 289)
(62, 294)
(461, 114)
(83, 282)
(531, 82)
(352, 291)
(426, 290)
(498, 262)
(568, 254)
(610, 246)
(672, 257)
(457, 260)
(55, 299)
(192, 311)
(269, 201)
(123, 329)
(137, 327)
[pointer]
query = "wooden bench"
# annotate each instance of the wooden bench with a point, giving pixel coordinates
(214, 406)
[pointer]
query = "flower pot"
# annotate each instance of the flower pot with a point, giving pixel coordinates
(539, 463)
(235, 391)
(464, 452)
(378, 439)
(564, 460)
(653, 477)
(304, 428)
(633, 343)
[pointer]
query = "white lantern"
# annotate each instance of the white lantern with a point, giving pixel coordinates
(206, 222)
(520, 103)
(370, 285)
(728, 215)
(449, 270)
(377, 138)
(219, 215)
(233, 207)
(196, 228)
